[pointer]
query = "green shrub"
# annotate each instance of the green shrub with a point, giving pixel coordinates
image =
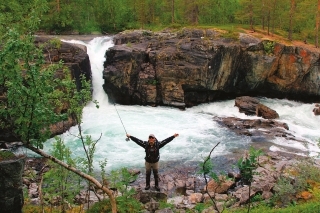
(7, 155)
(268, 47)
(152, 82)
(124, 205)
(248, 163)
(297, 180)
(164, 205)
(146, 33)
(285, 191)
(202, 206)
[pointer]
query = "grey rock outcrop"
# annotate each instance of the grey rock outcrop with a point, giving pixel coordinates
(197, 66)
(11, 193)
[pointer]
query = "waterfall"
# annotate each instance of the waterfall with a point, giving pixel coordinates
(198, 132)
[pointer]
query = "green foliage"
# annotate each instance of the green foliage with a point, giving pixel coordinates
(256, 198)
(102, 206)
(306, 207)
(112, 16)
(120, 180)
(33, 93)
(201, 206)
(206, 168)
(55, 42)
(165, 205)
(299, 179)
(268, 47)
(30, 89)
(129, 44)
(318, 143)
(29, 208)
(89, 146)
(6, 155)
(22, 15)
(248, 163)
(152, 82)
(128, 204)
(103, 165)
(146, 33)
(231, 35)
(60, 184)
(124, 205)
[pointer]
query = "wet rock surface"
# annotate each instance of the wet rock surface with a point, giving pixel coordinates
(251, 106)
(194, 66)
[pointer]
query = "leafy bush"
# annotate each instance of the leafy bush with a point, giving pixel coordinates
(248, 163)
(268, 47)
(124, 205)
(299, 179)
(285, 191)
(164, 205)
(146, 33)
(202, 206)
(6, 155)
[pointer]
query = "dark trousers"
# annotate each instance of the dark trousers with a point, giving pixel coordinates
(154, 167)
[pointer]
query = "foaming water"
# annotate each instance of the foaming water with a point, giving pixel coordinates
(198, 132)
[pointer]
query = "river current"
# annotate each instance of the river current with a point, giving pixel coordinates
(198, 132)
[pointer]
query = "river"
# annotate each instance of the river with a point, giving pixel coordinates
(198, 133)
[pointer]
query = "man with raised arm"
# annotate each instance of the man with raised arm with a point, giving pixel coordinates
(152, 147)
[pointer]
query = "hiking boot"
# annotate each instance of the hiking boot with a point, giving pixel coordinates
(147, 188)
(157, 188)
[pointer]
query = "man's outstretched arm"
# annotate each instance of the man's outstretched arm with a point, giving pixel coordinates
(137, 141)
(167, 140)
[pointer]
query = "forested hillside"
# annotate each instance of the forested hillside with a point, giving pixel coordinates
(295, 19)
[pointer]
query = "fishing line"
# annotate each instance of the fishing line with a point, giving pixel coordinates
(127, 139)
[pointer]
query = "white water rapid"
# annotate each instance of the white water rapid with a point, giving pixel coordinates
(198, 132)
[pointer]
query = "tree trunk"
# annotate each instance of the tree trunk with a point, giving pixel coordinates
(262, 13)
(251, 15)
(172, 12)
(317, 24)
(58, 6)
(81, 174)
(273, 18)
(196, 13)
(268, 22)
(291, 20)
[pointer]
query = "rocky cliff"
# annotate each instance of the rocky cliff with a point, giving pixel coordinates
(75, 57)
(190, 67)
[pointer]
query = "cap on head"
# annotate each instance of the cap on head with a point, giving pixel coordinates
(151, 135)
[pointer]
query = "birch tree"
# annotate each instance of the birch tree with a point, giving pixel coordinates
(32, 93)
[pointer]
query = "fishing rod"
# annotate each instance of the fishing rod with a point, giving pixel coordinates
(114, 104)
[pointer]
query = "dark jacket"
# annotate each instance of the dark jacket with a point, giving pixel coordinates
(152, 153)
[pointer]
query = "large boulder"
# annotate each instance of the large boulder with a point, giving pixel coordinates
(252, 106)
(11, 196)
(247, 105)
(197, 66)
(316, 109)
